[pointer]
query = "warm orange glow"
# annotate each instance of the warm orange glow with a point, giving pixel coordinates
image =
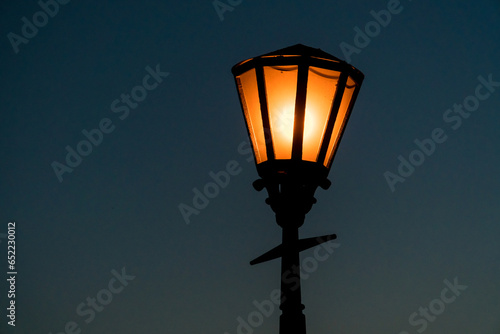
(340, 120)
(321, 87)
(281, 89)
(281, 94)
(284, 121)
(311, 128)
(247, 86)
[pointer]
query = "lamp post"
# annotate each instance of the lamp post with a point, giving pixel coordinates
(296, 102)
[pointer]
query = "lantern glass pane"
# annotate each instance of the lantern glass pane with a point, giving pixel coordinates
(281, 89)
(321, 87)
(340, 121)
(249, 95)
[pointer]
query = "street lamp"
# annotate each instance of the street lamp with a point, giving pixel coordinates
(296, 102)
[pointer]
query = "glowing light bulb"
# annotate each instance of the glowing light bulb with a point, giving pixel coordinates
(284, 122)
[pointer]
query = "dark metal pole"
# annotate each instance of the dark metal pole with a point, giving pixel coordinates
(291, 199)
(292, 320)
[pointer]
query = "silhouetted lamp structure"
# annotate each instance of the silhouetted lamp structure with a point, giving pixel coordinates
(296, 102)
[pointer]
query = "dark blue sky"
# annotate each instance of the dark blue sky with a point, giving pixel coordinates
(119, 207)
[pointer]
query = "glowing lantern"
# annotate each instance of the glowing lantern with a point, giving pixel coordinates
(296, 102)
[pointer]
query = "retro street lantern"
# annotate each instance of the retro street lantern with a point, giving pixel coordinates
(296, 102)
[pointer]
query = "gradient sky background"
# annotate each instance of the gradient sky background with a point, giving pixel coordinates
(119, 207)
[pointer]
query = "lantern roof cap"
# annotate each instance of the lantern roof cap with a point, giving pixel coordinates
(294, 54)
(302, 50)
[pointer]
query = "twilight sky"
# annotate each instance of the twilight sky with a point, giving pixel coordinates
(144, 90)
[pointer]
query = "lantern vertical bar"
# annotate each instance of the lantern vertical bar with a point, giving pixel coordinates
(349, 109)
(300, 111)
(261, 86)
(333, 116)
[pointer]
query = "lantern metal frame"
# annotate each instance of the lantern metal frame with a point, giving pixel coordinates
(291, 183)
(304, 57)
